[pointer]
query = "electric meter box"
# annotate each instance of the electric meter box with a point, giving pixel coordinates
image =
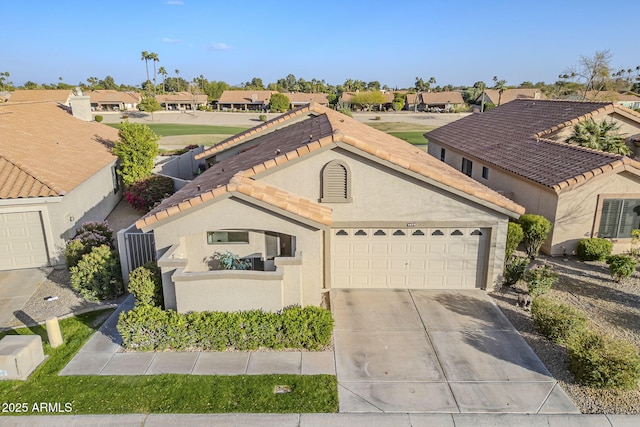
(20, 355)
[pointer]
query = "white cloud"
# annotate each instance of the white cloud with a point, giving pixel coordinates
(218, 46)
(171, 41)
(174, 2)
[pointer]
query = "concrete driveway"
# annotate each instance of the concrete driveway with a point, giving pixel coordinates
(16, 287)
(436, 352)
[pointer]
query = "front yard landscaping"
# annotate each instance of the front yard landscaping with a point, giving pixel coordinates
(612, 309)
(158, 393)
(410, 132)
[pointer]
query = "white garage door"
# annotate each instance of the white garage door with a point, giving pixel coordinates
(22, 243)
(429, 258)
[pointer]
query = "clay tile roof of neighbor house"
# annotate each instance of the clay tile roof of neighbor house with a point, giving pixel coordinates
(311, 128)
(512, 137)
(245, 96)
(44, 151)
(298, 97)
(181, 97)
(430, 98)
(509, 95)
(40, 95)
(97, 96)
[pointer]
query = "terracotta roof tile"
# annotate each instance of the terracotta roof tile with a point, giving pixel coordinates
(41, 95)
(184, 97)
(47, 152)
(433, 98)
(245, 96)
(509, 137)
(111, 96)
(509, 95)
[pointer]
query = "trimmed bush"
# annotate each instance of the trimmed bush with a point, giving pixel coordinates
(97, 275)
(149, 328)
(145, 284)
(146, 193)
(514, 270)
(558, 322)
(535, 229)
(540, 280)
(600, 361)
(594, 249)
(262, 117)
(98, 119)
(87, 237)
(621, 266)
(514, 237)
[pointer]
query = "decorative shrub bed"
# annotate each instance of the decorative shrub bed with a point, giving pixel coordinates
(558, 322)
(149, 328)
(594, 249)
(146, 193)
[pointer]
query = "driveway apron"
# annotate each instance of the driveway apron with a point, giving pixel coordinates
(432, 351)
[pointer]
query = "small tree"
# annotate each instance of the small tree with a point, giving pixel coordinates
(368, 99)
(149, 104)
(535, 229)
(279, 102)
(514, 237)
(137, 149)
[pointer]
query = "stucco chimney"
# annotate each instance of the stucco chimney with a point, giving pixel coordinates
(81, 106)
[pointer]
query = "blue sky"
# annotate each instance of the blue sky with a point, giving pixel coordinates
(393, 42)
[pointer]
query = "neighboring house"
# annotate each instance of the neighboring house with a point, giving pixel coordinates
(347, 98)
(253, 100)
(519, 150)
(181, 101)
(61, 96)
(113, 100)
(317, 200)
(4, 96)
(493, 95)
(434, 101)
(56, 173)
(298, 99)
(628, 99)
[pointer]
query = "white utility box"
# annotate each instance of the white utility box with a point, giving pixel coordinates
(19, 356)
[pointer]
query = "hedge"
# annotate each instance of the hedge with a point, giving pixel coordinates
(556, 321)
(600, 361)
(145, 284)
(594, 249)
(149, 328)
(97, 275)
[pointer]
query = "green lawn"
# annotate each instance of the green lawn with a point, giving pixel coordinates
(168, 129)
(410, 132)
(160, 393)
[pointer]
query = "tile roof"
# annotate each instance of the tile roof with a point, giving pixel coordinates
(301, 97)
(40, 95)
(98, 96)
(607, 96)
(509, 95)
(44, 151)
(246, 96)
(185, 97)
(312, 127)
(450, 97)
(512, 137)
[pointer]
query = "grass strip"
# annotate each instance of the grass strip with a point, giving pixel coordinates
(158, 393)
(169, 129)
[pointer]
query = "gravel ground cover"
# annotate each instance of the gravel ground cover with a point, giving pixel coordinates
(613, 308)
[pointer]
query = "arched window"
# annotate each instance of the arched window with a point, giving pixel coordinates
(336, 182)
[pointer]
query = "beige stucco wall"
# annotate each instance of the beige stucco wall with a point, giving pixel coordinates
(233, 213)
(382, 196)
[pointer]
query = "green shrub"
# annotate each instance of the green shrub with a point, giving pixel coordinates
(97, 275)
(346, 111)
(149, 328)
(377, 118)
(146, 193)
(514, 237)
(137, 148)
(514, 270)
(600, 361)
(594, 249)
(228, 261)
(540, 280)
(558, 322)
(535, 229)
(99, 119)
(279, 103)
(262, 117)
(145, 284)
(621, 266)
(87, 237)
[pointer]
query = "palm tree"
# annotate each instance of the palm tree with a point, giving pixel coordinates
(154, 57)
(177, 79)
(163, 72)
(601, 136)
(145, 57)
(501, 86)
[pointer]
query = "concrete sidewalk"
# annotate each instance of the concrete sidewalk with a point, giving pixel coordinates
(103, 355)
(326, 420)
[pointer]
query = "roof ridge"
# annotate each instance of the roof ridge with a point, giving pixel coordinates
(26, 170)
(576, 120)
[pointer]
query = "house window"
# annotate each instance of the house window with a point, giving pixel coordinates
(618, 218)
(443, 153)
(485, 172)
(222, 237)
(336, 182)
(467, 166)
(116, 179)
